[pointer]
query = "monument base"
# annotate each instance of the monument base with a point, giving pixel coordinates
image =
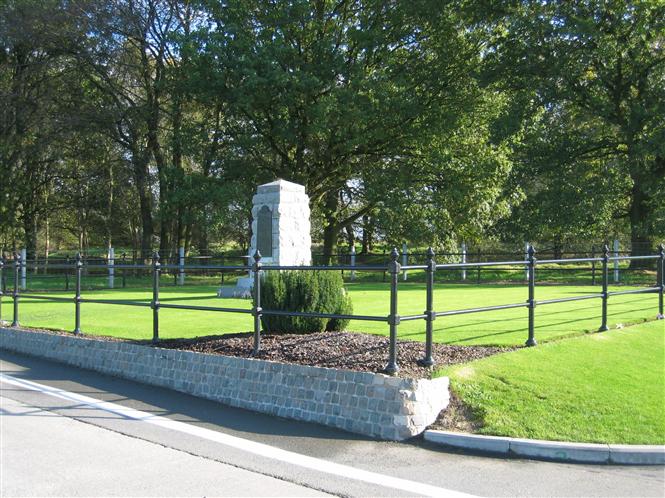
(242, 289)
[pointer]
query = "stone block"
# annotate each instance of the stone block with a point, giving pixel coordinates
(368, 403)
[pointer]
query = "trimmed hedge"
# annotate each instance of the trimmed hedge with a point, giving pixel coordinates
(304, 291)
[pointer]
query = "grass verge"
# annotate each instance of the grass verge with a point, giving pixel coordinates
(603, 388)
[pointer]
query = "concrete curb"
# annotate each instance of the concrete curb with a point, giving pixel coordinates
(623, 454)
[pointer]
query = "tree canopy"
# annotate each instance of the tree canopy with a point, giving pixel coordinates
(148, 123)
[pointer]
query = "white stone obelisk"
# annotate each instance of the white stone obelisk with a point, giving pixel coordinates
(280, 231)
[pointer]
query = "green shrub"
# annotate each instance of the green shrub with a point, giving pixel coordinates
(308, 292)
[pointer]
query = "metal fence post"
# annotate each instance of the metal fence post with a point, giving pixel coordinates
(156, 268)
(2, 266)
(181, 266)
(593, 265)
(478, 274)
(3, 280)
(176, 273)
(463, 260)
(124, 270)
(111, 264)
(77, 297)
(531, 341)
(660, 282)
(606, 260)
(616, 261)
(17, 266)
(393, 319)
(353, 262)
(24, 261)
(256, 311)
(67, 273)
(430, 316)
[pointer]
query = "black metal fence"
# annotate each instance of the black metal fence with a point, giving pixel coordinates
(393, 269)
(102, 265)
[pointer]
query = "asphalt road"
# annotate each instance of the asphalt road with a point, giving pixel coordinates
(71, 432)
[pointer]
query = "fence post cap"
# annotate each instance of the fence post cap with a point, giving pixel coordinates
(257, 256)
(17, 256)
(531, 251)
(606, 250)
(661, 249)
(394, 254)
(430, 252)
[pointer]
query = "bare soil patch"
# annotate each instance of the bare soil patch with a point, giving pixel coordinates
(457, 417)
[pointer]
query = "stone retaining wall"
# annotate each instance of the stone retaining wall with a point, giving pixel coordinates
(371, 404)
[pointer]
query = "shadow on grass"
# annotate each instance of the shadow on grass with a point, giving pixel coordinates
(548, 326)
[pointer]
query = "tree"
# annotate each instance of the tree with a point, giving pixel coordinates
(600, 67)
(454, 188)
(34, 40)
(325, 92)
(130, 59)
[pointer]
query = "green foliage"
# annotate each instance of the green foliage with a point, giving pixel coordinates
(595, 71)
(150, 122)
(304, 291)
(453, 187)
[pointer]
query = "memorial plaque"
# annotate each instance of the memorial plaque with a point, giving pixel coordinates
(264, 232)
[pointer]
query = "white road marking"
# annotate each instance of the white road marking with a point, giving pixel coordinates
(260, 449)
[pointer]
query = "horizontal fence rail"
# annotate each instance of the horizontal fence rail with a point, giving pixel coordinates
(118, 267)
(78, 266)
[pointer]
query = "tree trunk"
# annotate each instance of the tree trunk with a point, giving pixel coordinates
(30, 229)
(641, 240)
(182, 227)
(188, 238)
(202, 239)
(350, 236)
(368, 229)
(140, 165)
(331, 228)
(557, 249)
(109, 207)
(47, 243)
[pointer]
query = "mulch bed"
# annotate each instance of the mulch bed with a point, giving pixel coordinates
(344, 350)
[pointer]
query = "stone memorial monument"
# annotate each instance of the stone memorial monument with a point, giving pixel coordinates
(280, 231)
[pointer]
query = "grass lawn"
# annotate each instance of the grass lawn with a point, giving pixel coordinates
(605, 388)
(497, 327)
